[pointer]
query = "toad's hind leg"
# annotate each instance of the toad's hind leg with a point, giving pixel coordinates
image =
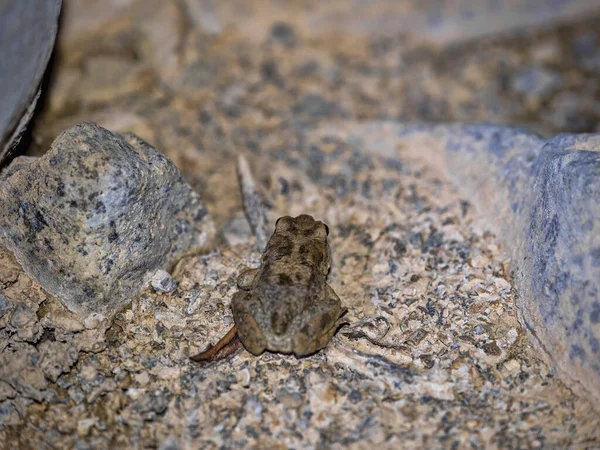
(246, 278)
(333, 298)
(249, 332)
(319, 332)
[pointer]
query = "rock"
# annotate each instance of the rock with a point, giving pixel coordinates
(57, 317)
(541, 198)
(536, 82)
(96, 215)
(22, 371)
(93, 321)
(440, 22)
(8, 414)
(573, 112)
(284, 34)
(314, 106)
(27, 32)
(24, 320)
(163, 282)
(5, 305)
(57, 358)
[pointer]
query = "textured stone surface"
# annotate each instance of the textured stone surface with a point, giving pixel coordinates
(27, 32)
(542, 199)
(434, 355)
(96, 214)
(435, 358)
(442, 22)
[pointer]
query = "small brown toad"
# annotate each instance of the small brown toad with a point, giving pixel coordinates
(286, 305)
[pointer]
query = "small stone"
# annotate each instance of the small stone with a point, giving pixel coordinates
(243, 377)
(512, 366)
(23, 372)
(196, 300)
(5, 305)
(314, 106)
(24, 320)
(93, 320)
(8, 414)
(59, 317)
(57, 358)
(84, 426)
(6, 391)
(283, 33)
(91, 340)
(163, 282)
(492, 349)
(76, 394)
(142, 378)
(169, 443)
(96, 215)
(22, 316)
(135, 393)
(536, 82)
(427, 361)
(573, 112)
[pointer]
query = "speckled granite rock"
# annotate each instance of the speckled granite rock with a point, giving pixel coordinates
(542, 198)
(96, 214)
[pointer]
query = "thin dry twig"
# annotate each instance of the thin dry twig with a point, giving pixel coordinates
(254, 206)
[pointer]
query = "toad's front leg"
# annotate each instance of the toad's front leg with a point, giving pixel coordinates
(246, 279)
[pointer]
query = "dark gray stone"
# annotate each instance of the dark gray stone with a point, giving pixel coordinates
(95, 217)
(5, 305)
(541, 198)
(27, 32)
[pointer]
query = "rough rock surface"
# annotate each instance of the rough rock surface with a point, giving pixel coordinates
(441, 22)
(435, 356)
(93, 217)
(541, 198)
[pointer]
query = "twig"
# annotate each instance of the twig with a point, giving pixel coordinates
(254, 206)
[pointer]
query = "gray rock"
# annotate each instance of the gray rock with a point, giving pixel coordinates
(27, 32)
(57, 358)
(573, 112)
(94, 217)
(24, 320)
(536, 82)
(22, 316)
(541, 197)
(21, 370)
(441, 22)
(5, 305)
(8, 414)
(163, 282)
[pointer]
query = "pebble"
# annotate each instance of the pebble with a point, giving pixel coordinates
(163, 282)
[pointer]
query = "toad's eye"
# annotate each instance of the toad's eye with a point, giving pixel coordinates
(283, 223)
(326, 229)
